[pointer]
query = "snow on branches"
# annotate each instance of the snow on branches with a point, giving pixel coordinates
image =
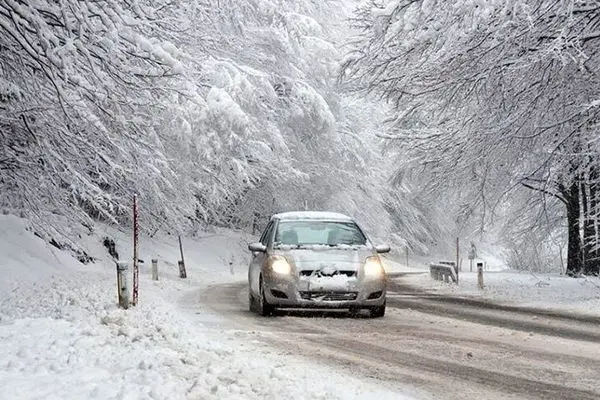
(212, 113)
(490, 97)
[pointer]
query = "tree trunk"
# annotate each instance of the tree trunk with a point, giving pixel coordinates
(574, 254)
(589, 201)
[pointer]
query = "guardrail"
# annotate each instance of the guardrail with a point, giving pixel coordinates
(442, 272)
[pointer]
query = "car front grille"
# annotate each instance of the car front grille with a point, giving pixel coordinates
(329, 296)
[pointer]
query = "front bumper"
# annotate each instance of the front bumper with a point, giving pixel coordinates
(294, 292)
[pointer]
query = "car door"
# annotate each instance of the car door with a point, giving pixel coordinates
(258, 259)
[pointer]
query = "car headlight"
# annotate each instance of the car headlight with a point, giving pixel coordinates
(280, 265)
(373, 267)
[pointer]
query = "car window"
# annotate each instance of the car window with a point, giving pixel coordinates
(330, 233)
(267, 233)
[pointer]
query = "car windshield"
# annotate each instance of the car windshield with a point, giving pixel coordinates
(324, 233)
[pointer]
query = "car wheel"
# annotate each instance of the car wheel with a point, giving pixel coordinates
(378, 312)
(264, 308)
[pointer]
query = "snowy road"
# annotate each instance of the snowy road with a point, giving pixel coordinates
(63, 336)
(442, 347)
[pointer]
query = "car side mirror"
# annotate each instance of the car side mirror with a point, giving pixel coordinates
(257, 247)
(382, 249)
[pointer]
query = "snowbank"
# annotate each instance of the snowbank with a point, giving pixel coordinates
(547, 291)
(502, 285)
(63, 336)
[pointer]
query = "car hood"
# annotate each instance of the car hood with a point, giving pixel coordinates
(318, 258)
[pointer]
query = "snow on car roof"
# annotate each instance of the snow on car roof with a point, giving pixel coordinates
(322, 215)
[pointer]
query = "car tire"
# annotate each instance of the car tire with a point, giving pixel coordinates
(264, 308)
(378, 312)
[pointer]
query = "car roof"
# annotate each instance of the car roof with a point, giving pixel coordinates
(311, 215)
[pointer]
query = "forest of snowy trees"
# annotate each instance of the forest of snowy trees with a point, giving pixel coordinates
(497, 103)
(215, 113)
(425, 119)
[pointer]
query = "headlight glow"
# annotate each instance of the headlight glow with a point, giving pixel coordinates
(373, 267)
(280, 265)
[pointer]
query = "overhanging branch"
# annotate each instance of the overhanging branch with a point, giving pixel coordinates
(544, 190)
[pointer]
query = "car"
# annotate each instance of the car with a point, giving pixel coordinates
(319, 260)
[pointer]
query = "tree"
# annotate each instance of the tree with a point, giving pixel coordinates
(84, 78)
(212, 113)
(491, 98)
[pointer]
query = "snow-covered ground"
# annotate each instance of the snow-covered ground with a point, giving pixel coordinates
(63, 337)
(505, 286)
(547, 291)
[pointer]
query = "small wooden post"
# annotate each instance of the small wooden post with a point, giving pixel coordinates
(406, 256)
(182, 273)
(154, 269)
(122, 288)
(480, 275)
(181, 263)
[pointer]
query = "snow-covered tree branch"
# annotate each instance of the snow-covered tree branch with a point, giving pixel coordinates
(491, 95)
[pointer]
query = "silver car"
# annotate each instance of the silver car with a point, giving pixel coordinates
(316, 260)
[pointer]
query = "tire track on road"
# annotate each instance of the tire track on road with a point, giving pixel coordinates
(442, 370)
(419, 345)
(570, 326)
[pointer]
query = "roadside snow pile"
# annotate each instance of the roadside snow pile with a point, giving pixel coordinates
(502, 285)
(549, 291)
(63, 336)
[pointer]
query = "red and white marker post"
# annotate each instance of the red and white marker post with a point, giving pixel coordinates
(136, 269)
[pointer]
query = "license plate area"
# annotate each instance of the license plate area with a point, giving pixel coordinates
(327, 284)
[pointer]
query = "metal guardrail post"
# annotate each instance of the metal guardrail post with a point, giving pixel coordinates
(443, 271)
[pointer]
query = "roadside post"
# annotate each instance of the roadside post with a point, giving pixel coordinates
(136, 269)
(154, 269)
(182, 272)
(457, 258)
(181, 263)
(122, 288)
(480, 275)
